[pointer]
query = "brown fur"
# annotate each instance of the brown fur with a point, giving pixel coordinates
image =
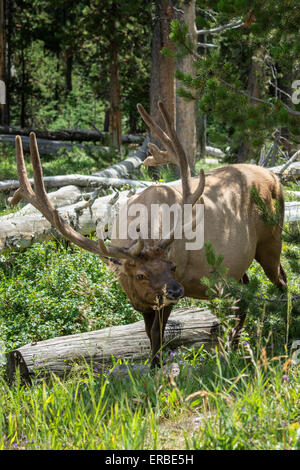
(234, 226)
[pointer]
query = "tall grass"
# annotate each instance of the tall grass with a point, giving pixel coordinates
(225, 401)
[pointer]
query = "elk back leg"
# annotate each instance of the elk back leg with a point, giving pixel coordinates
(245, 279)
(268, 256)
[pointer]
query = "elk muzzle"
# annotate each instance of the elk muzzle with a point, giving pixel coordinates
(174, 291)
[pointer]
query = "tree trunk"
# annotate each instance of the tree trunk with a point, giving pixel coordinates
(8, 16)
(106, 121)
(69, 67)
(115, 130)
(162, 85)
(245, 150)
(23, 92)
(190, 327)
(186, 112)
(2, 62)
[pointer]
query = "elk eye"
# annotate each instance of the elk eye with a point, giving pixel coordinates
(173, 269)
(140, 277)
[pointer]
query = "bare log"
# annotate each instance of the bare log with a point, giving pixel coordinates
(185, 327)
(287, 173)
(78, 135)
(292, 211)
(214, 152)
(294, 194)
(127, 166)
(21, 229)
(110, 177)
(80, 181)
(294, 158)
(51, 147)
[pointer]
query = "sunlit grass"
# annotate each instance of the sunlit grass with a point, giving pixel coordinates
(225, 401)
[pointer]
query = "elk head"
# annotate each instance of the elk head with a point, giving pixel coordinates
(148, 279)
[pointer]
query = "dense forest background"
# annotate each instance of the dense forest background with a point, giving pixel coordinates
(87, 64)
(60, 56)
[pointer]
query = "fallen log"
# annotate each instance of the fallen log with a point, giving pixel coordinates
(127, 166)
(122, 169)
(64, 196)
(214, 152)
(287, 173)
(51, 147)
(22, 229)
(83, 181)
(292, 211)
(186, 327)
(294, 194)
(78, 135)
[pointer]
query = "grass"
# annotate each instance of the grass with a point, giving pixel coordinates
(221, 399)
(234, 402)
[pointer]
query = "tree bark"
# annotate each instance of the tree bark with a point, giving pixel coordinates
(2, 59)
(23, 92)
(115, 130)
(245, 150)
(162, 85)
(186, 111)
(9, 33)
(190, 327)
(69, 67)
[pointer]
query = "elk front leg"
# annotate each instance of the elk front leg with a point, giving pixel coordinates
(149, 319)
(155, 325)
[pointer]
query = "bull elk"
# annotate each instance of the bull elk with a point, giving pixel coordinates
(155, 274)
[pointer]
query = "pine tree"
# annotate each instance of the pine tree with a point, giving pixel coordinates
(244, 80)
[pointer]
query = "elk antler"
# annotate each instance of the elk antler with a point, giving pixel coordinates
(39, 199)
(174, 153)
